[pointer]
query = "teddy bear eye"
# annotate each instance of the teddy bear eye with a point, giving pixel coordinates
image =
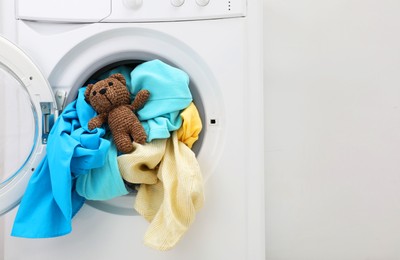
(94, 93)
(110, 83)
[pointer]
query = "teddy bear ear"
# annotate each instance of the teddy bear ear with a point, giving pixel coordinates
(119, 77)
(87, 92)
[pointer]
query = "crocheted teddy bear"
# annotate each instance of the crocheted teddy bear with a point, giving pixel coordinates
(111, 100)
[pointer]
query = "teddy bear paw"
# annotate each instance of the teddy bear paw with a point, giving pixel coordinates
(91, 125)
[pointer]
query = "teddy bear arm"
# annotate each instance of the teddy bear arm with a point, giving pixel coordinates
(140, 99)
(97, 121)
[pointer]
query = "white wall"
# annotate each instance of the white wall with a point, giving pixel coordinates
(332, 90)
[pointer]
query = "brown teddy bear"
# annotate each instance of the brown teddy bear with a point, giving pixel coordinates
(111, 100)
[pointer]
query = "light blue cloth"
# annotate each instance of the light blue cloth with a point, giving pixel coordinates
(50, 200)
(169, 94)
(103, 183)
(123, 69)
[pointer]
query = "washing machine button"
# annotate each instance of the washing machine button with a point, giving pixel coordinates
(202, 2)
(133, 4)
(177, 3)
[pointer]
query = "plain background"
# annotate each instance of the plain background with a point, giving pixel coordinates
(332, 105)
(332, 148)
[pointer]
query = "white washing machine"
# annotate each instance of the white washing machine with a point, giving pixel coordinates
(217, 42)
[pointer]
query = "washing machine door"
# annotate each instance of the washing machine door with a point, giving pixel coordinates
(26, 112)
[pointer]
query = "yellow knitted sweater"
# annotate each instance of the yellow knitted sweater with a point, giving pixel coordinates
(171, 190)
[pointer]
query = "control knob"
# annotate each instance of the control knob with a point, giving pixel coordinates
(177, 3)
(133, 4)
(202, 2)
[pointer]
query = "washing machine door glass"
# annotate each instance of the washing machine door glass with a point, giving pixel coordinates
(17, 132)
(26, 102)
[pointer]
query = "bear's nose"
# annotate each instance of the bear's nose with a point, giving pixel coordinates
(103, 91)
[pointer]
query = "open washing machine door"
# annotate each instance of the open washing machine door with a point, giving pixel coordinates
(27, 108)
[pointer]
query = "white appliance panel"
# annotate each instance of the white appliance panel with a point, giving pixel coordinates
(165, 10)
(88, 11)
(63, 10)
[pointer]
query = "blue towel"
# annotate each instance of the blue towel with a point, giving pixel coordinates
(50, 200)
(103, 183)
(169, 94)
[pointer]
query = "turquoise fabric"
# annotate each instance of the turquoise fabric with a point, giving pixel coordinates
(51, 200)
(169, 94)
(82, 164)
(123, 69)
(103, 183)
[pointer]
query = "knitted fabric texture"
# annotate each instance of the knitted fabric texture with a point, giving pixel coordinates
(111, 100)
(170, 198)
(125, 70)
(141, 166)
(191, 126)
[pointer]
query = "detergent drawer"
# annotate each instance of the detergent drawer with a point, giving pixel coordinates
(79, 11)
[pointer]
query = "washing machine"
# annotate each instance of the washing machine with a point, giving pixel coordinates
(50, 48)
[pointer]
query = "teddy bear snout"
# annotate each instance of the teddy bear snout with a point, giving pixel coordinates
(103, 91)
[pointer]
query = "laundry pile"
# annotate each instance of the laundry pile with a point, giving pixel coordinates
(84, 164)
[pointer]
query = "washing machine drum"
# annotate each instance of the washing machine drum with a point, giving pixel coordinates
(27, 107)
(23, 139)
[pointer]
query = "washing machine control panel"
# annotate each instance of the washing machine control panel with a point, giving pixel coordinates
(94, 11)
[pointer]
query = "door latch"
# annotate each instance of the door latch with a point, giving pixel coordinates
(47, 120)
